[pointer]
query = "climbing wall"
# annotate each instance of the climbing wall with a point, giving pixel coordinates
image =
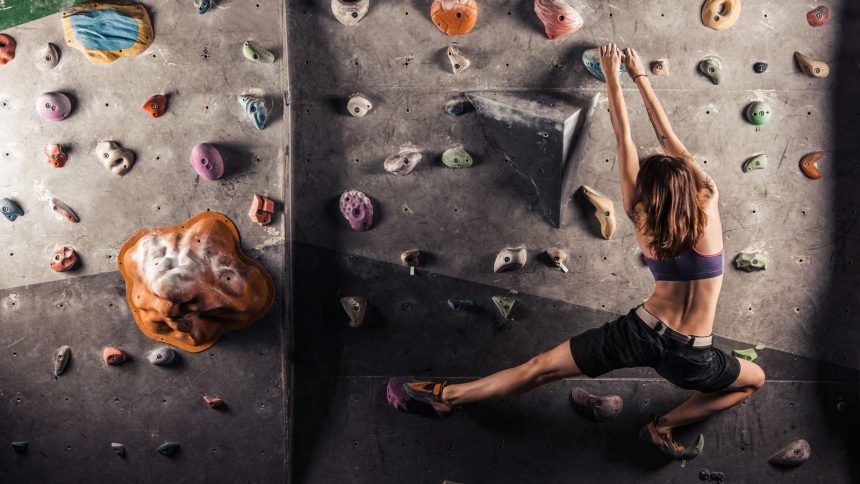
(70, 422)
(797, 313)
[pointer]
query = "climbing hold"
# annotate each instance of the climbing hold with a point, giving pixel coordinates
(168, 448)
(660, 67)
(105, 32)
(53, 106)
(163, 356)
(458, 106)
(459, 63)
(454, 17)
(504, 304)
(510, 258)
(404, 161)
(457, 157)
(261, 210)
(758, 113)
(64, 211)
(460, 304)
(48, 57)
(755, 163)
(412, 258)
(604, 210)
(156, 105)
(760, 67)
(591, 60)
(349, 12)
(720, 14)
(213, 402)
(751, 261)
(56, 155)
(357, 209)
(355, 307)
(207, 162)
(813, 67)
(7, 48)
(712, 68)
(809, 164)
(558, 257)
(599, 408)
(558, 17)
(118, 449)
(793, 454)
(818, 16)
(64, 259)
(10, 209)
(254, 52)
(20, 447)
(115, 158)
(61, 359)
(203, 6)
(358, 105)
(113, 356)
(706, 475)
(747, 354)
(256, 108)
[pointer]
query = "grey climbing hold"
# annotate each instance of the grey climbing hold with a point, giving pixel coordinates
(458, 106)
(504, 304)
(706, 475)
(10, 209)
(412, 259)
(254, 52)
(20, 446)
(256, 108)
(712, 68)
(599, 408)
(558, 258)
(660, 67)
(118, 449)
(460, 304)
(760, 67)
(404, 161)
(793, 454)
(358, 105)
(751, 261)
(64, 211)
(168, 448)
(163, 356)
(755, 163)
(510, 258)
(61, 359)
(457, 157)
(355, 307)
(349, 12)
(459, 62)
(48, 57)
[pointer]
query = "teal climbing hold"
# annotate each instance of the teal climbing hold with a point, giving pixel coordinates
(168, 448)
(256, 110)
(10, 209)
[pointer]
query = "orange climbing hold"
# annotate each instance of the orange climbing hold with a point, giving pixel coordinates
(454, 17)
(156, 105)
(809, 164)
(56, 155)
(7, 49)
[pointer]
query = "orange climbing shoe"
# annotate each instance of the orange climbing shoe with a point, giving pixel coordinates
(664, 442)
(418, 396)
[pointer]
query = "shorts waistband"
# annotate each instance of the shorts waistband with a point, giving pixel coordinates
(660, 328)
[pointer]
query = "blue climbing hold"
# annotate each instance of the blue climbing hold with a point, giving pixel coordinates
(460, 304)
(10, 209)
(256, 110)
(591, 59)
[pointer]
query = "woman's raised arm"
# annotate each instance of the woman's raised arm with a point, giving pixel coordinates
(628, 160)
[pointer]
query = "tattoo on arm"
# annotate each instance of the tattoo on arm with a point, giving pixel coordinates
(662, 138)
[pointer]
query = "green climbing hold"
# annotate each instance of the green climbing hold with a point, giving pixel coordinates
(751, 261)
(758, 113)
(712, 68)
(256, 53)
(168, 448)
(748, 354)
(504, 304)
(757, 162)
(457, 157)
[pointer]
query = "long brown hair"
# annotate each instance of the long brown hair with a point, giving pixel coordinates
(669, 193)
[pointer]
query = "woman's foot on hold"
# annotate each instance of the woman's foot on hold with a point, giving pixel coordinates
(662, 439)
(418, 396)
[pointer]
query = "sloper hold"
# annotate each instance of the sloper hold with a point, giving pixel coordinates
(720, 14)
(104, 32)
(53, 106)
(458, 106)
(712, 68)
(155, 105)
(168, 448)
(751, 261)
(20, 446)
(254, 52)
(758, 113)
(809, 165)
(256, 109)
(357, 209)
(459, 62)
(61, 359)
(813, 67)
(118, 449)
(542, 136)
(214, 403)
(504, 304)
(113, 356)
(793, 454)
(404, 161)
(261, 210)
(457, 157)
(10, 209)
(358, 105)
(454, 17)
(349, 12)
(818, 16)
(591, 60)
(660, 67)
(47, 57)
(115, 158)
(64, 211)
(355, 307)
(7, 49)
(207, 162)
(510, 259)
(64, 259)
(760, 67)
(460, 304)
(558, 258)
(757, 162)
(163, 356)
(599, 408)
(604, 211)
(56, 156)
(558, 17)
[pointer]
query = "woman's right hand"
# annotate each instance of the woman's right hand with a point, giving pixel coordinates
(610, 61)
(633, 63)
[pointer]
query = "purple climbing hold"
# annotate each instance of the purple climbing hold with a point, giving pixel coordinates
(207, 161)
(357, 209)
(53, 106)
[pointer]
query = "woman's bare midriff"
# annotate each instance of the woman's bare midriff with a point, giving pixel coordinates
(688, 307)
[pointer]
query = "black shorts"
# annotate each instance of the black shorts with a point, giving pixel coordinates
(628, 342)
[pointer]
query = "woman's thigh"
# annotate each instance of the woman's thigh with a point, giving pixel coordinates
(750, 376)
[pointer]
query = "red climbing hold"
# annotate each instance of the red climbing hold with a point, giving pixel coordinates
(7, 49)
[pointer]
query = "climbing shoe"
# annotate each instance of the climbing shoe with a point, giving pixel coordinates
(418, 396)
(669, 446)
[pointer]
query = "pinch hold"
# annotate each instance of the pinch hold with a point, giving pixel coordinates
(604, 211)
(599, 408)
(115, 158)
(155, 105)
(504, 304)
(358, 105)
(818, 16)
(755, 163)
(349, 12)
(261, 210)
(558, 17)
(813, 67)
(558, 258)
(720, 14)
(56, 156)
(53, 106)
(213, 402)
(809, 165)
(793, 454)
(510, 259)
(712, 68)
(207, 162)
(10, 209)
(64, 259)
(163, 356)
(404, 161)
(64, 211)
(660, 67)
(751, 261)
(113, 356)
(454, 17)
(357, 209)
(61, 359)
(356, 308)
(459, 62)
(256, 109)
(7, 48)
(47, 58)
(254, 52)
(457, 157)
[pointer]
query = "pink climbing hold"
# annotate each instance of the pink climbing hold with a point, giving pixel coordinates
(213, 402)
(207, 161)
(53, 106)
(261, 210)
(113, 356)
(357, 209)
(558, 17)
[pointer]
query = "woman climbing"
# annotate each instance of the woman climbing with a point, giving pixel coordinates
(673, 205)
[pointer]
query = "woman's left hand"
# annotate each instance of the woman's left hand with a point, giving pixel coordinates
(610, 61)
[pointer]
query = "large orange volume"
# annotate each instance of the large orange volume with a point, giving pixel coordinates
(454, 17)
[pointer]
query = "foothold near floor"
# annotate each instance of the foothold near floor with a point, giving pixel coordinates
(712, 68)
(61, 359)
(813, 67)
(64, 211)
(412, 259)
(356, 308)
(115, 158)
(168, 449)
(460, 304)
(457, 157)
(793, 454)
(20, 446)
(349, 12)
(458, 106)
(155, 105)
(758, 113)
(591, 60)
(404, 161)
(510, 259)
(720, 14)
(748, 354)
(104, 32)
(751, 261)
(454, 17)
(207, 162)
(809, 165)
(254, 52)
(261, 210)
(357, 209)
(204, 6)
(706, 475)
(256, 108)
(558, 258)
(358, 105)
(459, 62)
(7, 48)
(760, 67)
(10, 209)
(118, 449)
(53, 106)
(47, 57)
(660, 67)
(604, 211)
(818, 16)
(113, 356)
(56, 156)
(214, 403)
(504, 304)
(163, 356)
(64, 259)
(755, 163)
(558, 17)
(599, 408)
